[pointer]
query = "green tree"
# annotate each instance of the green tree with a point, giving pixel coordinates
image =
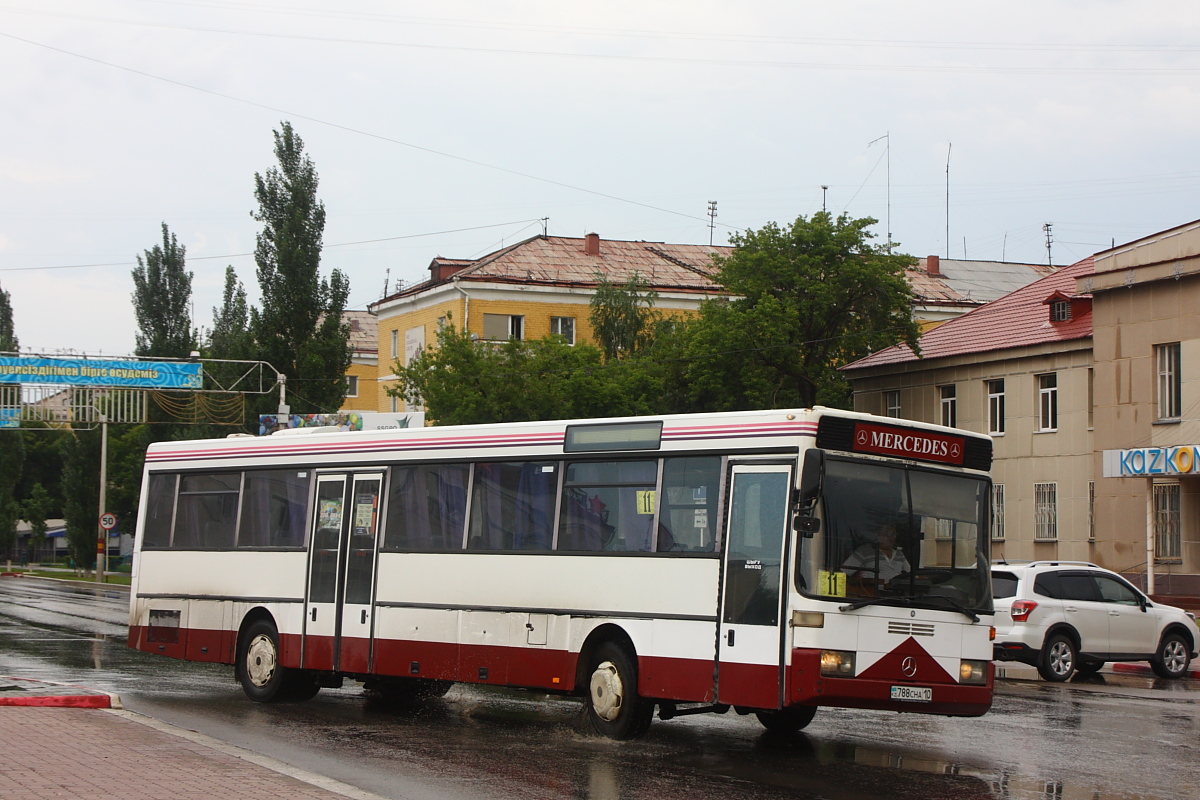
(10, 514)
(808, 298)
(37, 508)
(81, 471)
(623, 318)
(8, 336)
(230, 336)
(162, 295)
(464, 381)
(299, 329)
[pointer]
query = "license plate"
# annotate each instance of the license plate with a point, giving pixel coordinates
(913, 694)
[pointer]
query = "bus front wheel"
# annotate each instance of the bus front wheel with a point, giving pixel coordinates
(613, 705)
(258, 667)
(788, 720)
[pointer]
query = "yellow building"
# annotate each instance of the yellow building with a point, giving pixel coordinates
(531, 289)
(362, 378)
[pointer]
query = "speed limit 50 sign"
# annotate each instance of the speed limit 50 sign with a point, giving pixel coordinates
(108, 521)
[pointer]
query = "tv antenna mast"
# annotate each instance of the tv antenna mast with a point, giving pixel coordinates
(712, 220)
(887, 139)
(1049, 240)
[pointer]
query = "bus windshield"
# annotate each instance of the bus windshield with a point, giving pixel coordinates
(911, 535)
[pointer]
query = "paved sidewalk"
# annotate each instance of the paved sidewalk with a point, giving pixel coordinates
(57, 753)
(26, 692)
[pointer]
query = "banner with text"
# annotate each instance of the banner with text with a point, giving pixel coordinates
(94, 372)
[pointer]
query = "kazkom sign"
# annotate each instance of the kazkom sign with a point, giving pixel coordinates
(908, 443)
(1178, 460)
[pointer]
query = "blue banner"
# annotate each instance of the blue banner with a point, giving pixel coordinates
(93, 372)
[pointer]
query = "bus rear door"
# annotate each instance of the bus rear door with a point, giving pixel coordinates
(339, 619)
(750, 644)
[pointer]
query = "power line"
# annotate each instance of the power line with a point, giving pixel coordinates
(356, 131)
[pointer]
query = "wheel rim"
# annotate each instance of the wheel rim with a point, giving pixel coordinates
(261, 660)
(1061, 658)
(1175, 656)
(607, 691)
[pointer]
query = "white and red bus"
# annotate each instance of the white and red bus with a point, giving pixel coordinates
(769, 561)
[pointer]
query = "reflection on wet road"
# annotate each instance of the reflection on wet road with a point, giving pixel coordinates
(1126, 737)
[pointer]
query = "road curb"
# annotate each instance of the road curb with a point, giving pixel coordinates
(1142, 669)
(52, 694)
(92, 583)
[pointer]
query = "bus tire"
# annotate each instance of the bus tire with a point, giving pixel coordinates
(788, 720)
(258, 670)
(614, 707)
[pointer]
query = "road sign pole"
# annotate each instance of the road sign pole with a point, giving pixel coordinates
(102, 535)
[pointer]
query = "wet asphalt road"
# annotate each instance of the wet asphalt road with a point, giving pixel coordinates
(1125, 737)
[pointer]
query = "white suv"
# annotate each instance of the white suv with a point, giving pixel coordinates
(1063, 616)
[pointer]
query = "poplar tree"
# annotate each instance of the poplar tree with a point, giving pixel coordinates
(162, 295)
(8, 336)
(12, 444)
(299, 329)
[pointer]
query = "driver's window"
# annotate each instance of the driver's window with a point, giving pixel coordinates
(1116, 592)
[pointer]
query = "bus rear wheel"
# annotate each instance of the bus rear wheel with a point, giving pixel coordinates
(613, 706)
(258, 670)
(788, 720)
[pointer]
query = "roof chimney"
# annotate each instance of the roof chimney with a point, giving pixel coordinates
(591, 244)
(933, 266)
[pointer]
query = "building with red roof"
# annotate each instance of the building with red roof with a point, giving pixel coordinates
(1019, 368)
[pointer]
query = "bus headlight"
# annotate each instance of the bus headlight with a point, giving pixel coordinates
(837, 663)
(973, 673)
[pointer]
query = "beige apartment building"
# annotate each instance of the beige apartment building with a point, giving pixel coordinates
(1147, 440)
(1020, 369)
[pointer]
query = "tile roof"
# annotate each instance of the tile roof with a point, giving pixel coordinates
(563, 261)
(364, 331)
(971, 282)
(1017, 319)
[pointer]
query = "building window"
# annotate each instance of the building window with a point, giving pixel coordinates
(996, 407)
(500, 327)
(1091, 511)
(1060, 311)
(1045, 511)
(1048, 402)
(564, 327)
(395, 404)
(949, 406)
(441, 323)
(1169, 395)
(1167, 543)
(997, 510)
(351, 386)
(891, 404)
(395, 343)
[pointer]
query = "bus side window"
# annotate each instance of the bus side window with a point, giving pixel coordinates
(206, 514)
(274, 505)
(512, 506)
(608, 505)
(160, 505)
(427, 506)
(688, 514)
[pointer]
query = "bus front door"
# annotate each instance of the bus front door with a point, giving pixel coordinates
(750, 643)
(338, 615)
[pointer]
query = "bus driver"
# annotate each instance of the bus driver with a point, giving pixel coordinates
(874, 565)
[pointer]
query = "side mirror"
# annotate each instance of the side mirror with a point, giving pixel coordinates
(806, 526)
(811, 477)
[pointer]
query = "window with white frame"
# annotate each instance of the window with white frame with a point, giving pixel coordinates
(1045, 511)
(1048, 402)
(1167, 539)
(891, 404)
(996, 407)
(500, 327)
(1166, 356)
(997, 511)
(395, 343)
(564, 327)
(351, 386)
(949, 403)
(1060, 311)
(394, 404)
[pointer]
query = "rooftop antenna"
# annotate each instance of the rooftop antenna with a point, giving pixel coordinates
(545, 225)
(712, 220)
(1004, 247)
(387, 277)
(1049, 240)
(887, 149)
(824, 189)
(948, 146)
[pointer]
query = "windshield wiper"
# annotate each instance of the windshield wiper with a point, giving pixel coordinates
(909, 602)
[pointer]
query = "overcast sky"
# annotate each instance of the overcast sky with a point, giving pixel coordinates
(450, 128)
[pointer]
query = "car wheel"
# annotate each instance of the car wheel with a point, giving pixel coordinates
(788, 720)
(258, 670)
(1059, 659)
(613, 705)
(1172, 658)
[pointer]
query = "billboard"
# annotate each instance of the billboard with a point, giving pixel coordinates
(346, 420)
(96, 372)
